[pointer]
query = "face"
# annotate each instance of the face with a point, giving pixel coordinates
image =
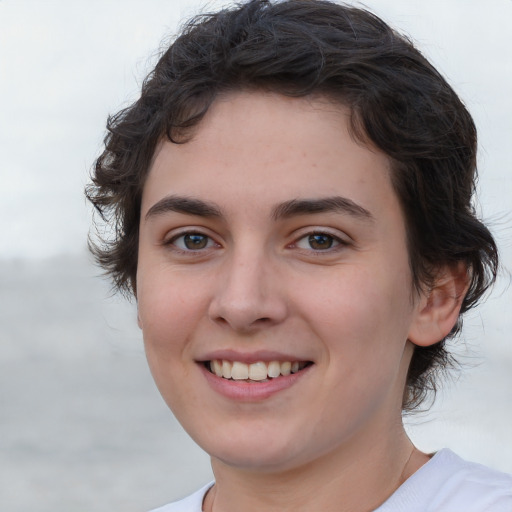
(273, 284)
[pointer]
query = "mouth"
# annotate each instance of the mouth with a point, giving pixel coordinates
(260, 371)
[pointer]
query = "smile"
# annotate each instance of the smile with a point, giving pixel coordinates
(255, 372)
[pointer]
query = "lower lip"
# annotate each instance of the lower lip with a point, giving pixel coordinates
(252, 391)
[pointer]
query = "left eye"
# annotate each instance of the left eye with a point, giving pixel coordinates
(192, 242)
(318, 242)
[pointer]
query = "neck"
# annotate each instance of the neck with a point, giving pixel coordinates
(348, 479)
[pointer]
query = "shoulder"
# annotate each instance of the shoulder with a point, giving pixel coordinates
(475, 480)
(448, 483)
(192, 503)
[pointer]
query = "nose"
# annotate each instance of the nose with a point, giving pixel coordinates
(248, 295)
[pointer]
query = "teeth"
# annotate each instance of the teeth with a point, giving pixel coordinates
(226, 369)
(239, 371)
(286, 368)
(216, 367)
(259, 371)
(274, 369)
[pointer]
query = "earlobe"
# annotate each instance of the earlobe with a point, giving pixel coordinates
(438, 309)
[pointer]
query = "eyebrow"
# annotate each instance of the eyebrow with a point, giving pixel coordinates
(186, 205)
(336, 204)
(294, 207)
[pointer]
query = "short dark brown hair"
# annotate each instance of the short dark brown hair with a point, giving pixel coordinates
(398, 102)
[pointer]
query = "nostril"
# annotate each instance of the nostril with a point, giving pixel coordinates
(264, 320)
(243, 325)
(254, 306)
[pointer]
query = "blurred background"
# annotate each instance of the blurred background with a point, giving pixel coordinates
(82, 426)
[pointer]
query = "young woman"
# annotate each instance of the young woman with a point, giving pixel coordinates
(292, 203)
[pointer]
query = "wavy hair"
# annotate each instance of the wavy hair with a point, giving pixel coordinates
(398, 101)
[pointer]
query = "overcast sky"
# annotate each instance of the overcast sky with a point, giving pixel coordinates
(64, 65)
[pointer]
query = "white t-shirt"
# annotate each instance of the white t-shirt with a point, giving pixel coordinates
(446, 483)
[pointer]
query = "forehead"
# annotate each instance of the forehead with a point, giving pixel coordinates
(264, 149)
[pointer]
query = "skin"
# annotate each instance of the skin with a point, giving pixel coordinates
(334, 439)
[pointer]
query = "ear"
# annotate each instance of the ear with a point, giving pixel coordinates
(438, 308)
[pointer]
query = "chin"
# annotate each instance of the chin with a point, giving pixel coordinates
(257, 462)
(261, 452)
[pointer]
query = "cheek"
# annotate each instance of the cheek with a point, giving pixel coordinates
(363, 328)
(169, 309)
(361, 317)
(168, 322)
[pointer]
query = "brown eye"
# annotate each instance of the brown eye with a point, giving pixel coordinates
(320, 241)
(192, 242)
(195, 241)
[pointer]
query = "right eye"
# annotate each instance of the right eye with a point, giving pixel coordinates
(192, 242)
(318, 242)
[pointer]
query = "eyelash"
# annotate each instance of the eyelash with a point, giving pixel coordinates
(335, 242)
(210, 242)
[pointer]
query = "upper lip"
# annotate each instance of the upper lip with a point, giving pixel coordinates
(250, 357)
